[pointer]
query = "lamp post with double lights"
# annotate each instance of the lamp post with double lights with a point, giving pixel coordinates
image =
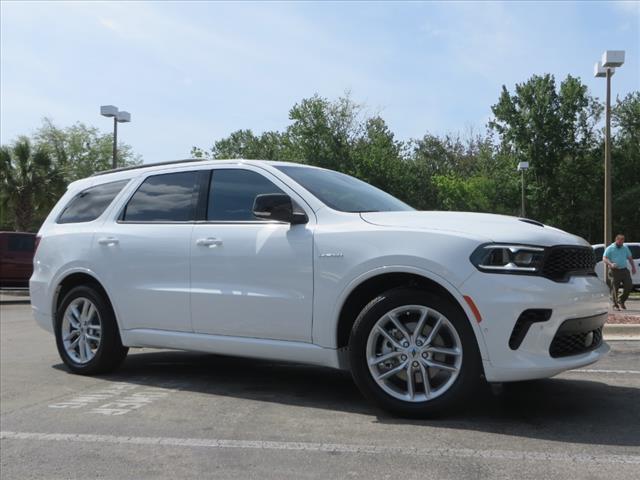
(118, 117)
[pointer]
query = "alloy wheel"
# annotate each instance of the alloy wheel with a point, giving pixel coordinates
(81, 330)
(414, 353)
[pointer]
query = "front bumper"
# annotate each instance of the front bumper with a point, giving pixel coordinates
(502, 298)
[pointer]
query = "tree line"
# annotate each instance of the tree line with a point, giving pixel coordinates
(35, 170)
(557, 128)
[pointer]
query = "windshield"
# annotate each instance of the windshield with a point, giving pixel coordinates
(342, 192)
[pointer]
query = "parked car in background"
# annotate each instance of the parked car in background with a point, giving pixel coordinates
(289, 262)
(16, 258)
(635, 253)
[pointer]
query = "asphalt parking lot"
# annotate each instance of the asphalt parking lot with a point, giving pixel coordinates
(181, 415)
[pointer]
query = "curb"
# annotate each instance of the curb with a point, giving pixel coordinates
(614, 332)
(14, 296)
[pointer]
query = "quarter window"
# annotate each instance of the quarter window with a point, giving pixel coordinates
(91, 203)
(163, 198)
(232, 193)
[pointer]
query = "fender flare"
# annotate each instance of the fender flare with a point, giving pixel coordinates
(429, 275)
(62, 275)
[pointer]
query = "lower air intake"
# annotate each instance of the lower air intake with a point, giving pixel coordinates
(578, 335)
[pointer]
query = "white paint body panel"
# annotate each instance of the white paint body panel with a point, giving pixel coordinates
(147, 273)
(273, 290)
(257, 283)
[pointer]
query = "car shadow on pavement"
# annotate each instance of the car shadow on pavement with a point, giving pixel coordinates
(564, 410)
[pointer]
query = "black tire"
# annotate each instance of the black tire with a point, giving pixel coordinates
(110, 352)
(470, 371)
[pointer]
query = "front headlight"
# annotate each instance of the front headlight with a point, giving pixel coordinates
(500, 258)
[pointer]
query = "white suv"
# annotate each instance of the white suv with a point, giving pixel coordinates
(289, 262)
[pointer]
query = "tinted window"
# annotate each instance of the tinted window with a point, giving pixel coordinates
(599, 252)
(90, 203)
(342, 192)
(232, 193)
(163, 198)
(21, 243)
(635, 251)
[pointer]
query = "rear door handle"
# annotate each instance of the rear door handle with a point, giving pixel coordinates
(108, 241)
(210, 242)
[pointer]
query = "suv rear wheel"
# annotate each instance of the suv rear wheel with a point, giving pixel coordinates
(414, 353)
(87, 334)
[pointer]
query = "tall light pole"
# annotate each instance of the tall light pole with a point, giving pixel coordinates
(611, 59)
(118, 117)
(522, 166)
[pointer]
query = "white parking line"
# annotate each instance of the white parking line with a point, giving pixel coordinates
(622, 372)
(325, 447)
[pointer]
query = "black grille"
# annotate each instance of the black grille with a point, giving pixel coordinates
(561, 263)
(524, 322)
(578, 335)
(566, 344)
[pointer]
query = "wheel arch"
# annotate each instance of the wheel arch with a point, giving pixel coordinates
(75, 279)
(364, 290)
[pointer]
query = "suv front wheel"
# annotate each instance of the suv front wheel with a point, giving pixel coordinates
(87, 334)
(414, 353)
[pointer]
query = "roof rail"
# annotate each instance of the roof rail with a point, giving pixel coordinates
(145, 165)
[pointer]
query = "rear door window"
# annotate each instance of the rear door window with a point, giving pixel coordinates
(635, 251)
(168, 197)
(91, 203)
(599, 252)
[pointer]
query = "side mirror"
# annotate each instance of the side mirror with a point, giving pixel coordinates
(277, 206)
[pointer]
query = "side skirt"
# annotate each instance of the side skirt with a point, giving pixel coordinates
(280, 350)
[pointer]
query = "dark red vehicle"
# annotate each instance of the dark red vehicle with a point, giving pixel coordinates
(16, 258)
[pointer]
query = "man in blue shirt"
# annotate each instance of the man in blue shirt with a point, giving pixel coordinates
(616, 257)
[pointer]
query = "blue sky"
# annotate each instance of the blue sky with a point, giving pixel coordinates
(191, 73)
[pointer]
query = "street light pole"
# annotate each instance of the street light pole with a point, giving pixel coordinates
(118, 117)
(607, 163)
(522, 213)
(611, 59)
(114, 163)
(522, 166)
(606, 68)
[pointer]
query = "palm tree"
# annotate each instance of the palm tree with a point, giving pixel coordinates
(29, 184)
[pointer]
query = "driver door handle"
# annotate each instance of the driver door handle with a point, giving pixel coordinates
(210, 242)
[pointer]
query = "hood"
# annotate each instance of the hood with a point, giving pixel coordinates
(483, 226)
